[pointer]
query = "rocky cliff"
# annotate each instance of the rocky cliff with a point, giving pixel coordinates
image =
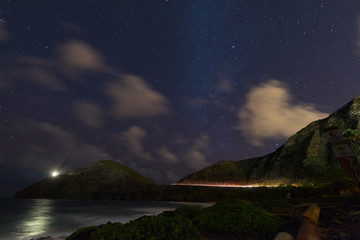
(106, 179)
(304, 158)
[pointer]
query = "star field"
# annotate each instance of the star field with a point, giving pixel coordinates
(166, 87)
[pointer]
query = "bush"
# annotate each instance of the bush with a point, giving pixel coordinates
(231, 217)
(107, 232)
(237, 217)
(188, 211)
(160, 228)
(146, 228)
(82, 233)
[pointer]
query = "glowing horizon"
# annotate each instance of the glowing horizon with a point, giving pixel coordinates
(220, 185)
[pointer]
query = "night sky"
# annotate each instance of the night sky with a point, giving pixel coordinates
(166, 87)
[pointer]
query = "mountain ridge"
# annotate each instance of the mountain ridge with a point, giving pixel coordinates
(304, 158)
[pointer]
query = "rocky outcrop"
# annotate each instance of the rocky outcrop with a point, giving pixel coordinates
(306, 157)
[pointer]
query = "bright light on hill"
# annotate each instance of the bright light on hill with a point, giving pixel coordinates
(54, 173)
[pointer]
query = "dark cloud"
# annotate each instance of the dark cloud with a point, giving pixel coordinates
(133, 137)
(167, 155)
(73, 60)
(88, 113)
(357, 42)
(38, 71)
(194, 156)
(34, 71)
(134, 98)
(4, 35)
(225, 85)
(165, 161)
(71, 27)
(45, 147)
(218, 97)
(192, 153)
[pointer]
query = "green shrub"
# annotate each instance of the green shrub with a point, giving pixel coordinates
(231, 217)
(188, 211)
(160, 228)
(82, 233)
(146, 228)
(107, 232)
(236, 217)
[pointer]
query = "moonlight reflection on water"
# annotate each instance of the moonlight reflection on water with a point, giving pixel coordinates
(37, 218)
(34, 218)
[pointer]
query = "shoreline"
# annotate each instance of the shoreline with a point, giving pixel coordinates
(49, 238)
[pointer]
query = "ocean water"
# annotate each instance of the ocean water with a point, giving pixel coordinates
(34, 218)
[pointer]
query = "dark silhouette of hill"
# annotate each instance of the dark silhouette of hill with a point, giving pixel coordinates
(106, 179)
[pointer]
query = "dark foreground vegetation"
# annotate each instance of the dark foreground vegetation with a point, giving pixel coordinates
(228, 218)
(264, 213)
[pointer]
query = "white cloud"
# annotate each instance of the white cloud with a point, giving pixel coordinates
(89, 114)
(167, 155)
(194, 156)
(134, 137)
(80, 56)
(134, 98)
(269, 112)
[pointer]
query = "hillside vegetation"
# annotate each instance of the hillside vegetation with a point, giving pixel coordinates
(305, 158)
